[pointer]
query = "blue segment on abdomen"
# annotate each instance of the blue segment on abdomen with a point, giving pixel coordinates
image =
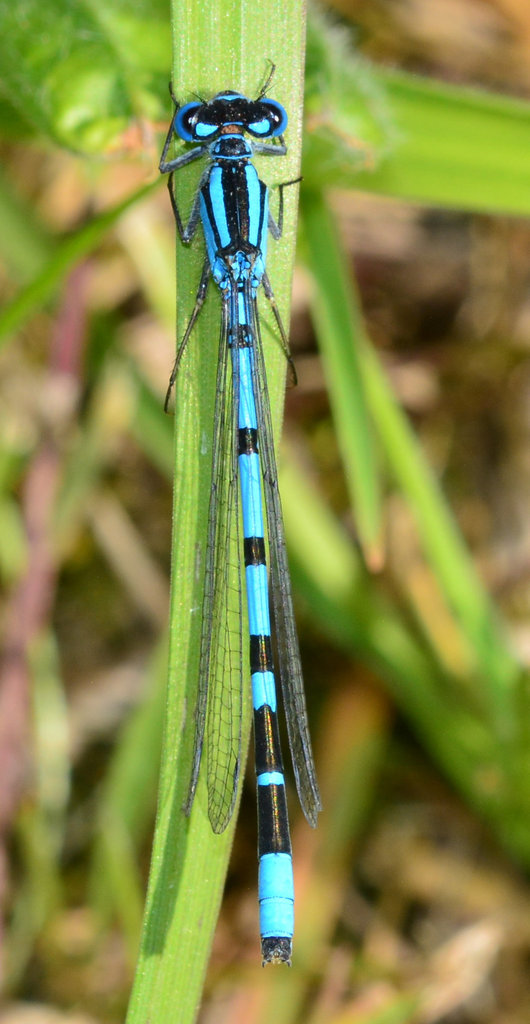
(263, 690)
(276, 912)
(247, 406)
(258, 598)
(249, 475)
(270, 779)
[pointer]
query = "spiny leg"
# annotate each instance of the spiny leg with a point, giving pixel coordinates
(267, 288)
(276, 227)
(199, 300)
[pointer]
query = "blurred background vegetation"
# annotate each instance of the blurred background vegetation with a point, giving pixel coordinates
(413, 893)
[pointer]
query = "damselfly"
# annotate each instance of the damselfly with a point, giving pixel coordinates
(232, 204)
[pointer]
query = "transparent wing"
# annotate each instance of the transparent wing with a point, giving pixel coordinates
(290, 668)
(220, 694)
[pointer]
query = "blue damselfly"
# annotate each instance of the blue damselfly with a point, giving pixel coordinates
(232, 205)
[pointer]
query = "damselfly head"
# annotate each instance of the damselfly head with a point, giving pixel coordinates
(263, 118)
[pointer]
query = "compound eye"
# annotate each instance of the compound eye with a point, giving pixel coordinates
(185, 121)
(276, 116)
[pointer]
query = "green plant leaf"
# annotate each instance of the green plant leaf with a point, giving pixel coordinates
(408, 136)
(79, 72)
(337, 326)
(65, 255)
(189, 861)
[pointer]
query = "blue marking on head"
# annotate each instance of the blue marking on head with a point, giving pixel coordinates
(203, 129)
(260, 127)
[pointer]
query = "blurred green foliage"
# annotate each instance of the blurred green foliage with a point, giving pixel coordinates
(77, 78)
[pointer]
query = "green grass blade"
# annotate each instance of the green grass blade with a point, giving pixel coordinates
(445, 550)
(458, 147)
(152, 428)
(444, 547)
(334, 315)
(67, 253)
(347, 604)
(407, 136)
(24, 243)
(126, 806)
(41, 823)
(229, 46)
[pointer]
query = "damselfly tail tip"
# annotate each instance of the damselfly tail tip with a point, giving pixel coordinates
(276, 950)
